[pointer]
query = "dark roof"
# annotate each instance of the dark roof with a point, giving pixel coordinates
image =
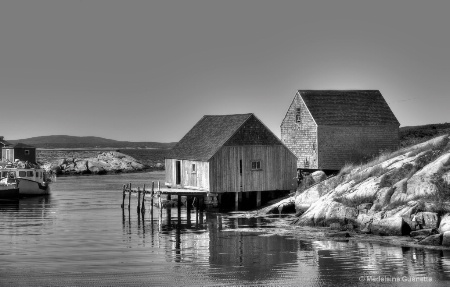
(348, 107)
(3, 142)
(22, 145)
(207, 136)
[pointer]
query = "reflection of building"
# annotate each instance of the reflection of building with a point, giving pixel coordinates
(230, 155)
(250, 257)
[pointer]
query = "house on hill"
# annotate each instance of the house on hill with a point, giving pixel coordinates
(20, 151)
(326, 129)
(234, 156)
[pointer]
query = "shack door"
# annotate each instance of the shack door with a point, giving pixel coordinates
(178, 172)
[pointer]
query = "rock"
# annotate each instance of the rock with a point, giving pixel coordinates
(423, 232)
(338, 234)
(286, 207)
(444, 226)
(390, 226)
(435, 239)
(318, 176)
(446, 239)
(336, 226)
(364, 221)
(365, 206)
(427, 220)
(81, 166)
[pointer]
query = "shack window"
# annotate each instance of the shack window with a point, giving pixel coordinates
(256, 165)
(194, 168)
(27, 152)
(298, 118)
(22, 173)
(4, 174)
(37, 173)
(30, 173)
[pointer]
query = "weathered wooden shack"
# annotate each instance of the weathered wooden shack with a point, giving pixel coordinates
(232, 155)
(326, 129)
(20, 151)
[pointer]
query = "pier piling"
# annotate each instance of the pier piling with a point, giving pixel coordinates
(143, 197)
(139, 199)
(123, 198)
(129, 196)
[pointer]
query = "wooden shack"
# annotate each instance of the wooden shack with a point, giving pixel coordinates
(231, 155)
(19, 151)
(326, 129)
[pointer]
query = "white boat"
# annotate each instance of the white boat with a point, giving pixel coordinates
(18, 165)
(30, 181)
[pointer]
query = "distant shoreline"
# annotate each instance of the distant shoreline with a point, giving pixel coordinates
(95, 149)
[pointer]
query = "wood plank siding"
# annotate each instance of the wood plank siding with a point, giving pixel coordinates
(327, 128)
(198, 179)
(277, 172)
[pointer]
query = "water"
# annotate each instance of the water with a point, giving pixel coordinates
(78, 236)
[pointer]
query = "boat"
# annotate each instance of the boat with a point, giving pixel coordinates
(19, 165)
(29, 179)
(9, 191)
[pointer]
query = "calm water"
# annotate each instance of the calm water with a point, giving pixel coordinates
(78, 236)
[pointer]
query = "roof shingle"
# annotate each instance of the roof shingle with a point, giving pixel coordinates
(207, 136)
(348, 107)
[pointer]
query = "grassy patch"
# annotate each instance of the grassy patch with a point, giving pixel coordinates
(355, 201)
(391, 178)
(394, 205)
(361, 176)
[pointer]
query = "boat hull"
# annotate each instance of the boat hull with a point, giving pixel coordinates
(30, 187)
(9, 193)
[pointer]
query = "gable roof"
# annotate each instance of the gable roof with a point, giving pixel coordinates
(207, 136)
(348, 107)
(22, 145)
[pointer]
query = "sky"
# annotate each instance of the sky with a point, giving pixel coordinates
(149, 70)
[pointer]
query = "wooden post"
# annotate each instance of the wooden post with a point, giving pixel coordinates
(258, 199)
(151, 199)
(188, 210)
(143, 197)
(236, 201)
(179, 206)
(129, 196)
(123, 198)
(139, 199)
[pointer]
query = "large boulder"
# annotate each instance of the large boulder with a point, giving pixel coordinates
(318, 176)
(390, 226)
(446, 239)
(427, 220)
(444, 226)
(432, 240)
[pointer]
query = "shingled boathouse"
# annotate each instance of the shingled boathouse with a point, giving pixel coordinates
(326, 129)
(234, 158)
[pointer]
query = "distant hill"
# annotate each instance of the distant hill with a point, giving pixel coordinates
(64, 141)
(416, 134)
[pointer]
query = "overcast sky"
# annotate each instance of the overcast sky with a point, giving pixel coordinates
(149, 70)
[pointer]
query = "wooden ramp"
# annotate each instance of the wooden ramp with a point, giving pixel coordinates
(183, 191)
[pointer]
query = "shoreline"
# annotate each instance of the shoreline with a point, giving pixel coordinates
(108, 173)
(284, 227)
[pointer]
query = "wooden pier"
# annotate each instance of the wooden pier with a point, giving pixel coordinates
(156, 192)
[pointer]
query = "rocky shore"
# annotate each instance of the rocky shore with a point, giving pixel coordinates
(402, 193)
(400, 198)
(103, 163)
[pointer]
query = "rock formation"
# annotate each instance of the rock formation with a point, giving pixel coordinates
(105, 162)
(395, 194)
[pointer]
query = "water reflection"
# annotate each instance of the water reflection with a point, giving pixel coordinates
(79, 235)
